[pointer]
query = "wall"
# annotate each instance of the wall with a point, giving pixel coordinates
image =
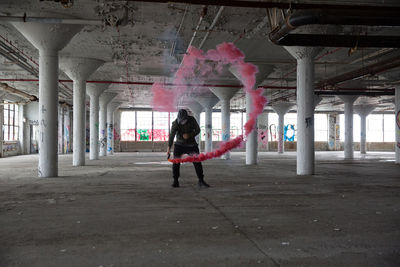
(132, 146)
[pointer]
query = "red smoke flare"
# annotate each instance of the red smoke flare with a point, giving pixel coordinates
(198, 65)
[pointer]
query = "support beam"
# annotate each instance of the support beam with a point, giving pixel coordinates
(208, 101)
(105, 98)
(397, 126)
(363, 111)
(48, 39)
(111, 108)
(94, 91)
(281, 109)
(79, 70)
(225, 94)
(348, 123)
(305, 108)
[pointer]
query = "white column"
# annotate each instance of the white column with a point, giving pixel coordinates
(363, 111)
(305, 108)
(48, 39)
(94, 91)
(397, 126)
(79, 123)
(105, 98)
(117, 131)
(263, 144)
(348, 121)
(1, 125)
(67, 130)
(225, 94)
(60, 129)
(111, 107)
(48, 110)
(79, 70)
(332, 131)
(208, 101)
(281, 109)
(208, 130)
(251, 143)
(225, 124)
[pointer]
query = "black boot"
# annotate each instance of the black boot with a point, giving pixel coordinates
(203, 184)
(175, 183)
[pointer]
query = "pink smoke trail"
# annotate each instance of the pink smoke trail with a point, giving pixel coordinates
(197, 65)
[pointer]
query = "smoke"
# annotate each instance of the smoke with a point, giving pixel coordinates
(198, 66)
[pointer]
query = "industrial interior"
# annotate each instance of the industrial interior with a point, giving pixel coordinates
(309, 177)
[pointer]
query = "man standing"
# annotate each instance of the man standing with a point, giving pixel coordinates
(185, 128)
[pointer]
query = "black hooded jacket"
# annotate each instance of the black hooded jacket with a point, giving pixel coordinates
(191, 127)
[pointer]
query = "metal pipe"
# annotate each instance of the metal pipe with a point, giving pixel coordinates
(50, 20)
(211, 26)
(273, 4)
(17, 92)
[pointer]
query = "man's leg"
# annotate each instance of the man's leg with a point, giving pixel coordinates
(199, 170)
(176, 166)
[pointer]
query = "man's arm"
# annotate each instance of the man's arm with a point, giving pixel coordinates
(174, 129)
(196, 130)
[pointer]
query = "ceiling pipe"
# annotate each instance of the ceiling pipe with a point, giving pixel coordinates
(378, 41)
(281, 34)
(195, 85)
(391, 92)
(372, 69)
(17, 92)
(25, 18)
(273, 4)
(211, 26)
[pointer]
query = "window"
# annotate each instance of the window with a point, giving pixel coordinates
(389, 128)
(160, 128)
(236, 124)
(321, 127)
(11, 124)
(128, 129)
(144, 126)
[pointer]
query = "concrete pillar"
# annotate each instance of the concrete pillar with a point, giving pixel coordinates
(363, 111)
(348, 121)
(105, 98)
(305, 108)
(117, 131)
(94, 91)
(225, 94)
(332, 121)
(251, 140)
(111, 107)
(1, 129)
(262, 139)
(196, 109)
(281, 109)
(208, 101)
(397, 126)
(79, 70)
(60, 129)
(48, 39)
(22, 129)
(67, 130)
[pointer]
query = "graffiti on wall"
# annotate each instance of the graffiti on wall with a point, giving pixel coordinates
(289, 132)
(262, 138)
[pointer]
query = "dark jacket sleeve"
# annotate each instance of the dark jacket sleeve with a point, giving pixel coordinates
(196, 129)
(172, 133)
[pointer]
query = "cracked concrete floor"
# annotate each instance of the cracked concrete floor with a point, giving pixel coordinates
(121, 211)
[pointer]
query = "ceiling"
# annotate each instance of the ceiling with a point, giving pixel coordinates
(150, 43)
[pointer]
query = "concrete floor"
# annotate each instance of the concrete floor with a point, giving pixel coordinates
(121, 211)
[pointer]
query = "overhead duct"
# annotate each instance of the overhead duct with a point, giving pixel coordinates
(282, 35)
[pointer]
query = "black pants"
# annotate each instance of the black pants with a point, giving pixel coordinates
(178, 152)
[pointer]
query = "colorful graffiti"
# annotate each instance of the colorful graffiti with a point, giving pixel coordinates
(144, 135)
(263, 139)
(66, 139)
(110, 131)
(289, 132)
